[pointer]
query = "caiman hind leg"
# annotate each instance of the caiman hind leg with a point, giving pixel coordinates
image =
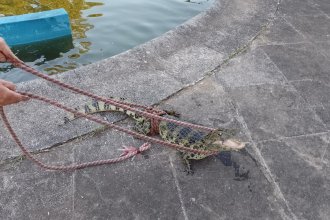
(187, 163)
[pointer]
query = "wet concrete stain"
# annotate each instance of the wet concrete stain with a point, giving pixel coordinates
(241, 173)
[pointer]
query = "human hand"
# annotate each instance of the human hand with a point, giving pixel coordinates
(5, 53)
(8, 95)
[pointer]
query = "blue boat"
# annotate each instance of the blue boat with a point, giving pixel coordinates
(35, 27)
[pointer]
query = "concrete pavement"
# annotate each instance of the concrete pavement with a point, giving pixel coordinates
(258, 66)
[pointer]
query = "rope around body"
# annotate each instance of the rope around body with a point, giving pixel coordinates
(117, 103)
(128, 152)
(153, 114)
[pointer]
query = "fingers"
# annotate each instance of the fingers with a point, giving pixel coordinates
(10, 56)
(24, 98)
(7, 84)
(8, 97)
(13, 97)
(2, 57)
(5, 52)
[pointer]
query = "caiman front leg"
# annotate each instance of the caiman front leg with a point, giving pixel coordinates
(187, 164)
(172, 113)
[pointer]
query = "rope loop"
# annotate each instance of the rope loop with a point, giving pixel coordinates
(154, 122)
(129, 154)
(155, 116)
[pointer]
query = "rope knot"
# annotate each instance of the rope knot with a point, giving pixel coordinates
(154, 122)
(130, 150)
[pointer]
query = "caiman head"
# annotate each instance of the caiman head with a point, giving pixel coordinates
(221, 139)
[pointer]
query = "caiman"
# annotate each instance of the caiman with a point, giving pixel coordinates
(218, 140)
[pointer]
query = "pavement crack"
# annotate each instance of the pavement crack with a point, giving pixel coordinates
(211, 211)
(240, 50)
(19, 158)
(73, 182)
(286, 211)
(323, 155)
(176, 181)
(295, 136)
(97, 187)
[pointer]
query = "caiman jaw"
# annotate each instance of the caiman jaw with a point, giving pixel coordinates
(231, 144)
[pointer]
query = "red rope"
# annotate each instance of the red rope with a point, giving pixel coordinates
(154, 123)
(117, 103)
(119, 128)
(152, 113)
(132, 153)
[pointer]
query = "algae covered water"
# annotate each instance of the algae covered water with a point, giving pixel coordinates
(100, 29)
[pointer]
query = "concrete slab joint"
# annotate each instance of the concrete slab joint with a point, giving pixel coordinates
(251, 65)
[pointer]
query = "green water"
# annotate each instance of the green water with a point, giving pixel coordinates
(101, 29)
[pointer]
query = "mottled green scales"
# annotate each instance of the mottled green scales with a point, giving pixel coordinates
(218, 140)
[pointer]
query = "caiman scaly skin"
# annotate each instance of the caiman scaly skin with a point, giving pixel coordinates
(219, 140)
